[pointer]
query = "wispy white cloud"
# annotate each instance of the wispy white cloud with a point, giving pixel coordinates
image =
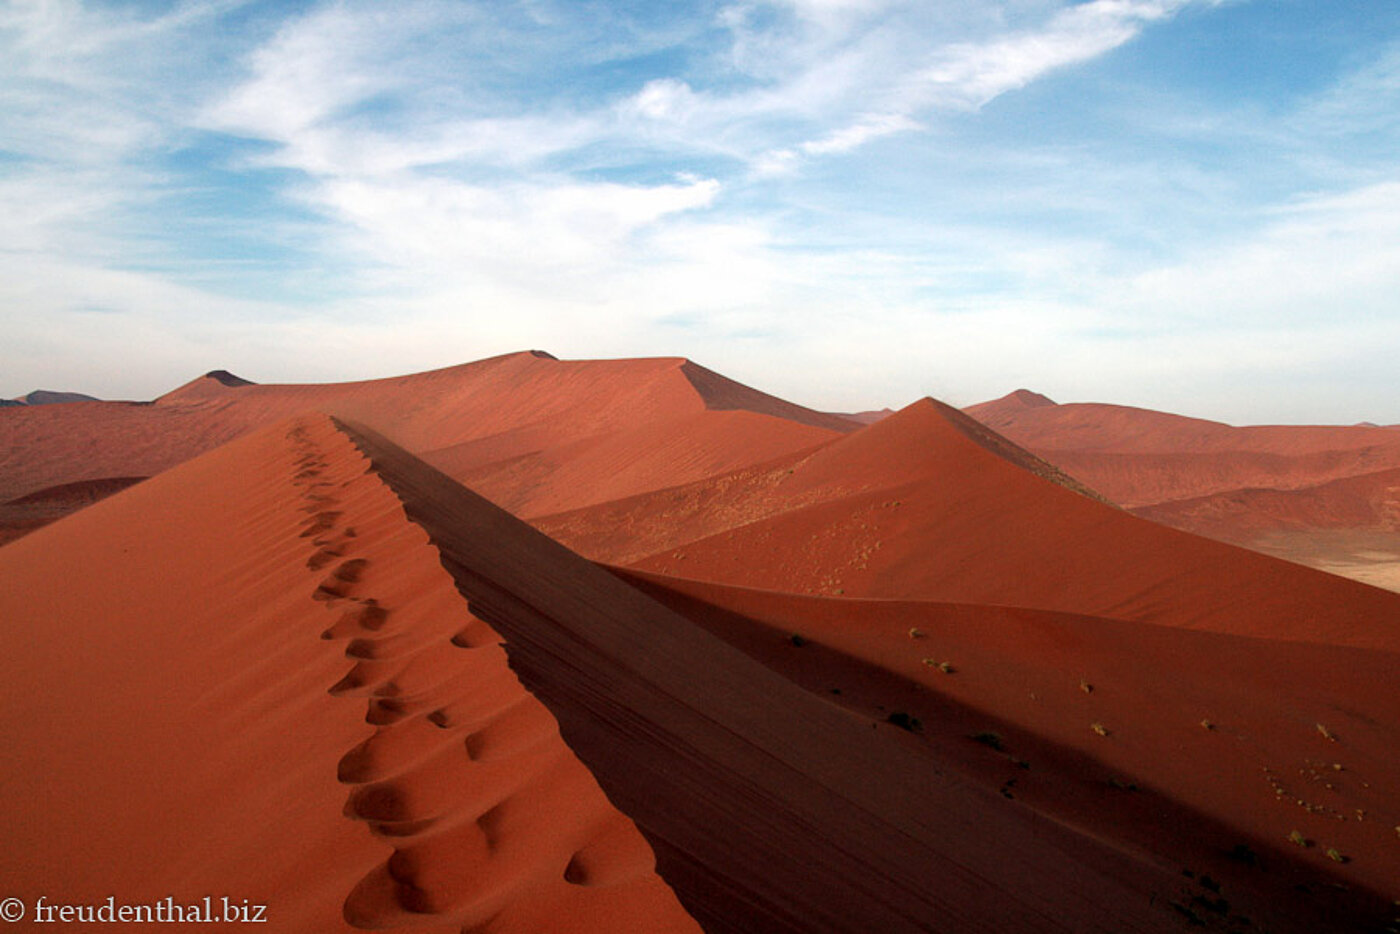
(974, 73)
(316, 68)
(824, 175)
(85, 82)
(1363, 102)
(521, 230)
(855, 73)
(858, 134)
(667, 99)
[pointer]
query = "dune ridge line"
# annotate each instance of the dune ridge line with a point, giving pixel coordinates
(494, 824)
(768, 808)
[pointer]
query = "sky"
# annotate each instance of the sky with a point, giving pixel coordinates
(1187, 205)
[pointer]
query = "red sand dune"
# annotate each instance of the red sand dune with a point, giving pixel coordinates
(310, 670)
(921, 506)
(22, 515)
(1368, 502)
(869, 417)
(609, 428)
(1210, 761)
(632, 528)
(284, 661)
(51, 397)
(1139, 457)
(1005, 410)
(1314, 494)
(211, 385)
(617, 465)
(252, 677)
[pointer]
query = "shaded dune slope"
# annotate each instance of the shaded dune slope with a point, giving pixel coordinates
(251, 675)
(22, 515)
(769, 809)
(720, 392)
(1201, 760)
(83, 491)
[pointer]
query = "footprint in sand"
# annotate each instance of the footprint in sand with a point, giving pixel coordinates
(387, 809)
(317, 502)
(617, 854)
(369, 616)
(340, 538)
(476, 634)
(381, 801)
(385, 711)
(323, 557)
(368, 649)
(320, 523)
(340, 583)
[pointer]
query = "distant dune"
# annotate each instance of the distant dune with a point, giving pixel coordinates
(869, 417)
(1266, 487)
(1000, 412)
(531, 432)
(915, 507)
(1363, 501)
(49, 397)
(1138, 457)
(211, 385)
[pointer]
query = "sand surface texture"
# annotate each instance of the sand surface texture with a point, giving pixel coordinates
(541, 646)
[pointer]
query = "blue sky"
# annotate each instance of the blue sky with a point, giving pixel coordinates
(1191, 205)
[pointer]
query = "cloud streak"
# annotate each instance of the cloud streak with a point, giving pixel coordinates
(859, 182)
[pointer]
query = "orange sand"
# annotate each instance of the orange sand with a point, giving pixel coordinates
(862, 673)
(252, 677)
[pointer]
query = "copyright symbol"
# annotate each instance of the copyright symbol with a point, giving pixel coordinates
(11, 909)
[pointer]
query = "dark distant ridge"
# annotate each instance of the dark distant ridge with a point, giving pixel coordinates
(721, 393)
(227, 378)
(80, 491)
(211, 385)
(50, 397)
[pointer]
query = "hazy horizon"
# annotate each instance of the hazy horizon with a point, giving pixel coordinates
(1185, 205)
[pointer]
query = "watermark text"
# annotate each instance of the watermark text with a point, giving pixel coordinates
(208, 910)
